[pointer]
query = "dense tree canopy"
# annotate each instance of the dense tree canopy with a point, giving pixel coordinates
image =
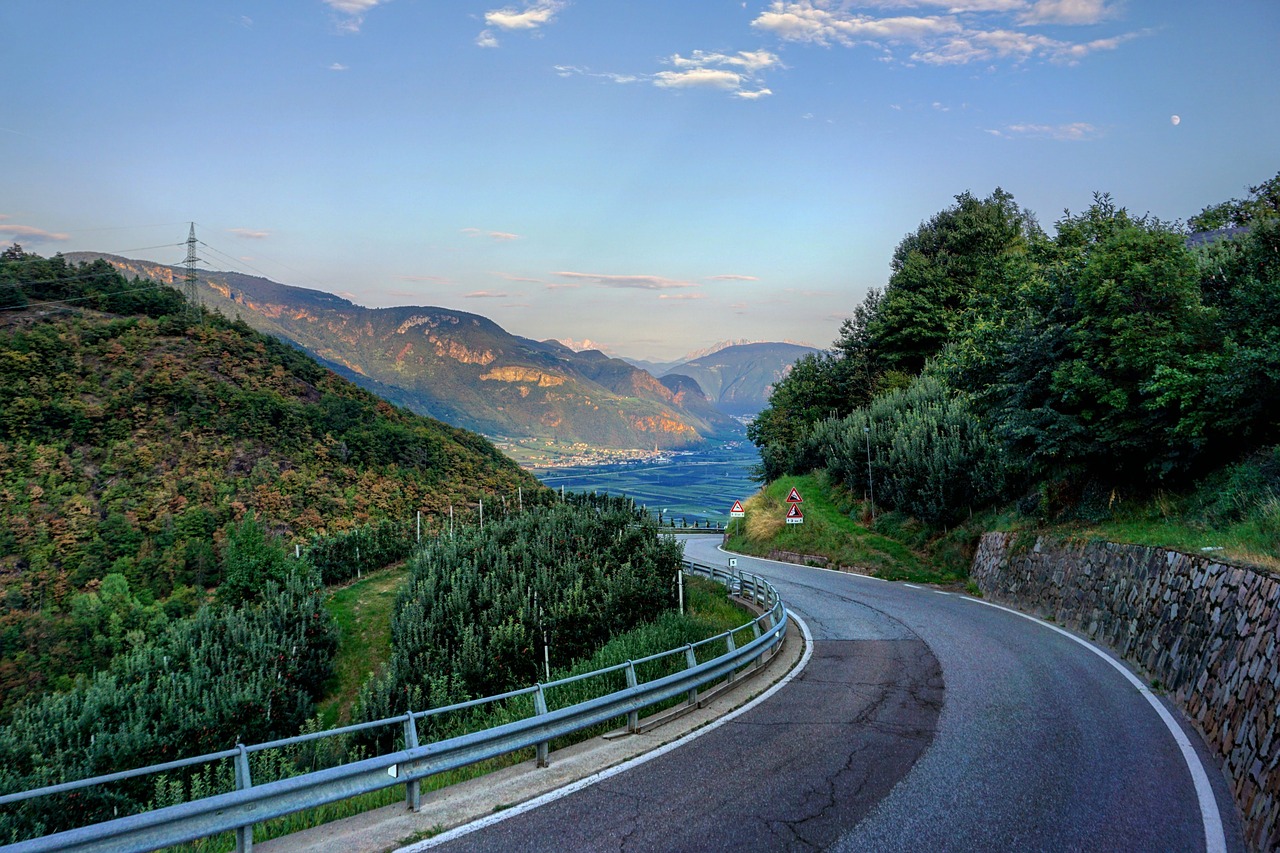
(135, 440)
(1116, 354)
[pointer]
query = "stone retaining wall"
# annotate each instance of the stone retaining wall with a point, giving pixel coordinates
(1205, 631)
(811, 560)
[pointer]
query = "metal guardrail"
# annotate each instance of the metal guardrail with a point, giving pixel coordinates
(240, 809)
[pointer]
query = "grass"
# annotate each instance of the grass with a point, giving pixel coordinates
(362, 611)
(838, 528)
(1233, 517)
(1157, 523)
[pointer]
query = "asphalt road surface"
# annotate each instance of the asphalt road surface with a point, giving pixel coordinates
(923, 721)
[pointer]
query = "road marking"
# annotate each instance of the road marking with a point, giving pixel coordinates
(1215, 839)
(912, 586)
(559, 793)
(940, 592)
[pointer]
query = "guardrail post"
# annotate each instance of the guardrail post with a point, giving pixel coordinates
(691, 660)
(412, 790)
(731, 647)
(540, 707)
(755, 627)
(244, 834)
(633, 717)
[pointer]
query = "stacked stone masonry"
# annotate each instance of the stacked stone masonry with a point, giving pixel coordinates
(1205, 631)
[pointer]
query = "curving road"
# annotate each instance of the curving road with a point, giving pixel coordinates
(923, 721)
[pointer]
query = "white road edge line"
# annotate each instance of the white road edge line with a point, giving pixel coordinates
(912, 586)
(721, 549)
(1215, 839)
(552, 796)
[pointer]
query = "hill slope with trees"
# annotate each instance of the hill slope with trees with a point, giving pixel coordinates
(459, 367)
(1118, 358)
(136, 438)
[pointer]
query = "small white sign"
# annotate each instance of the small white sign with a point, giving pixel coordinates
(733, 562)
(394, 771)
(736, 511)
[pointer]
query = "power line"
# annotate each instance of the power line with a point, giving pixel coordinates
(31, 259)
(154, 286)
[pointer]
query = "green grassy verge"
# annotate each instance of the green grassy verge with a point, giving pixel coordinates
(362, 611)
(839, 528)
(1166, 522)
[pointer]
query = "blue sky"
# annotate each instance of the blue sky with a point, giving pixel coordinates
(651, 176)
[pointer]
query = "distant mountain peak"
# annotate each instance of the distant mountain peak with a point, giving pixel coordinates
(583, 345)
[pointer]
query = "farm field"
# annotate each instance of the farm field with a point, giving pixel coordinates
(698, 485)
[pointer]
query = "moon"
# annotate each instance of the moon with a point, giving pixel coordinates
(1176, 120)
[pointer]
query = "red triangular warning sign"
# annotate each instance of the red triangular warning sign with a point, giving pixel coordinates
(737, 507)
(794, 512)
(794, 497)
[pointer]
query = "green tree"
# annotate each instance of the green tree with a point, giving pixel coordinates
(250, 561)
(1262, 204)
(937, 271)
(1066, 363)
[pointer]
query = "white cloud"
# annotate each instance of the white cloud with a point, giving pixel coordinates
(1079, 131)
(485, 294)
(426, 279)
(337, 66)
(354, 10)
(699, 78)
(733, 277)
(751, 62)
(503, 236)
(580, 71)
(353, 7)
(249, 233)
(486, 39)
(969, 31)
(728, 72)
(533, 15)
(638, 282)
(682, 296)
(31, 233)
(1066, 12)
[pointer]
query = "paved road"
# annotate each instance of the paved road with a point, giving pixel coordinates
(924, 721)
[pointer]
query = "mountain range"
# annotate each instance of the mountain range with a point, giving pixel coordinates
(468, 371)
(738, 379)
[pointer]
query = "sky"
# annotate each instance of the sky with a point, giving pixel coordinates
(649, 177)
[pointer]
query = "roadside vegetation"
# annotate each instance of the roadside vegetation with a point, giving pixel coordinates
(1117, 378)
(361, 613)
(708, 611)
(838, 528)
(178, 492)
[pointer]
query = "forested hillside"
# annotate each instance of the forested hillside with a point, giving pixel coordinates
(462, 368)
(1117, 357)
(135, 438)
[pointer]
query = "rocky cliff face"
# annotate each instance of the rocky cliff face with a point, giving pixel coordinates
(463, 368)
